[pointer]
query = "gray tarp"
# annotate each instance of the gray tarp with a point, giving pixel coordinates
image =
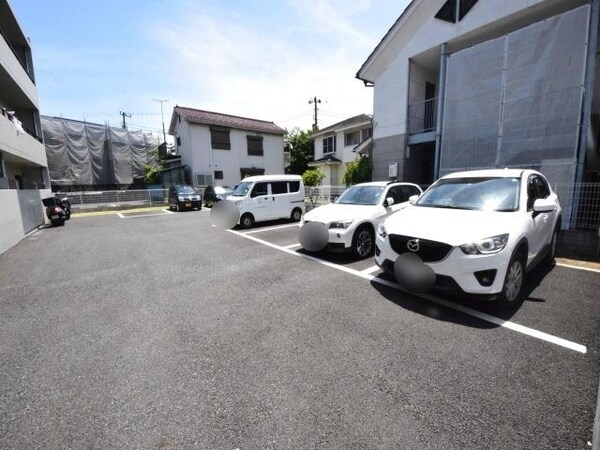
(515, 101)
(80, 153)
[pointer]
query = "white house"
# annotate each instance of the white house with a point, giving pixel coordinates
(228, 148)
(462, 84)
(24, 179)
(339, 144)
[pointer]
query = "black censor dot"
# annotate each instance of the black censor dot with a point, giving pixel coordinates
(313, 236)
(412, 274)
(224, 215)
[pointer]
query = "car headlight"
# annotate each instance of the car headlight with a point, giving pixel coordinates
(381, 231)
(486, 246)
(343, 224)
(198, 197)
(180, 198)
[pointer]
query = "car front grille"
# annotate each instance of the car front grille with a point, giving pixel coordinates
(428, 251)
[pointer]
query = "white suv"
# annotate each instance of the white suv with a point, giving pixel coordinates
(479, 231)
(352, 220)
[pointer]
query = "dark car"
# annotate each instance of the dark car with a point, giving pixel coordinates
(214, 194)
(183, 196)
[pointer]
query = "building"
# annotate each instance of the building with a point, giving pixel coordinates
(84, 156)
(339, 144)
(225, 148)
(466, 84)
(24, 179)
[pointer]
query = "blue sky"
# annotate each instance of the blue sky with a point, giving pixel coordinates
(254, 58)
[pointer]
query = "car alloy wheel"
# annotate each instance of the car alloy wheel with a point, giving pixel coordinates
(296, 215)
(363, 242)
(513, 281)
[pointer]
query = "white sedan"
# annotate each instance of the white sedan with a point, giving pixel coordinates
(352, 220)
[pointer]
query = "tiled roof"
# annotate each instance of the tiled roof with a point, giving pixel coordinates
(226, 120)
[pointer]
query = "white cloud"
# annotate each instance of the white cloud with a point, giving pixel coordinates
(223, 61)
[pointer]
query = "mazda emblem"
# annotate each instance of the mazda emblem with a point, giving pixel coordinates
(413, 245)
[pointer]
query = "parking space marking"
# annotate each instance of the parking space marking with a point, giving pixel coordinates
(162, 213)
(464, 309)
(370, 270)
(571, 266)
(298, 245)
(279, 227)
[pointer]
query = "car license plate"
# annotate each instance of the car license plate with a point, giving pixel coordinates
(54, 216)
(188, 205)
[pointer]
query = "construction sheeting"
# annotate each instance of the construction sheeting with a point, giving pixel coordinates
(516, 101)
(80, 153)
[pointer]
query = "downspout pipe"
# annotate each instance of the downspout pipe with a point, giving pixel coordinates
(588, 93)
(440, 111)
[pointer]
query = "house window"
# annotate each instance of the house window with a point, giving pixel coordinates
(219, 138)
(218, 174)
(366, 133)
(255, 145)
(352, 138)
(448, 11)
(329, 145)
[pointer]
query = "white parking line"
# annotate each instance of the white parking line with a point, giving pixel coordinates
(293, 246)
(162, 213)
(260, 230)
(464, 309)
(571, 266)
(370, 270)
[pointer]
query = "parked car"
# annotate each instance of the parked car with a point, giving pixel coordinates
(352, 220)
(214, 194)
(183, 196)
(269, 197)
(479, 231)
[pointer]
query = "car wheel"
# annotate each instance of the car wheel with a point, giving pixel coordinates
(512, 289)
(296, 215)
(362, 242)
(179, 208)
(247, 220)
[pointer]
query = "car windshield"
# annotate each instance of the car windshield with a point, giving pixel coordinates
(223, 190)
(185, 190)
(242, 189)
(476, 193)
(361, 195)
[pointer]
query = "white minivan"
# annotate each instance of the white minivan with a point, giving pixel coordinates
(269, 197)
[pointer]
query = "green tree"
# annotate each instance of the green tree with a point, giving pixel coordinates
(358, 171)
(312, 177)
(153, 168)
(300, 146)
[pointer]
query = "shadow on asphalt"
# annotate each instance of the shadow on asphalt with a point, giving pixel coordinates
(343, 258)
(431, 309)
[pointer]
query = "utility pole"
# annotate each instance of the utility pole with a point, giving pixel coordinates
(161, 101)
(124, 114)
(315, 100)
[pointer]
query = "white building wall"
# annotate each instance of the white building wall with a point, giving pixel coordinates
(11, 223)
(424, 32)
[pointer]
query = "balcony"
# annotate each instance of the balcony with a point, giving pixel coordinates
(17, 82)
(422, 121)
(17, 143)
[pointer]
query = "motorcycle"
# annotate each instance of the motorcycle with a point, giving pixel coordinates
(58, 210)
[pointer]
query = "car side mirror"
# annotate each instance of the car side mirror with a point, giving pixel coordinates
(388, 202)
(544, 205)
(413, 199)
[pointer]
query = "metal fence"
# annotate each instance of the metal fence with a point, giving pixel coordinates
(321, 195)
(581, 202)
(422, 116)
(141, 197)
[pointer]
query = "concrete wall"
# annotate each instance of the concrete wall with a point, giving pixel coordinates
(386, 150)
(11, 223)
(18, 75)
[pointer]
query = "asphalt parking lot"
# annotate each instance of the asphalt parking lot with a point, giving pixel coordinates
(158, 330)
